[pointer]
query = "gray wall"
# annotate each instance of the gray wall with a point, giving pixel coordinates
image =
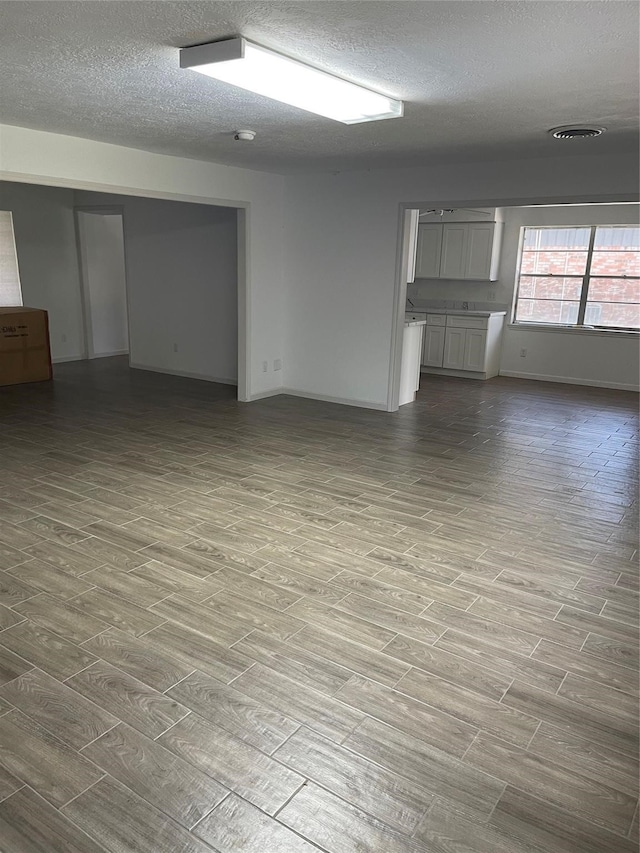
(181, 262)
(48, 261)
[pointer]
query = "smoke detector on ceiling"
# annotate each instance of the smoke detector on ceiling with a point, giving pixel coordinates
(576, 131)
(244, 135)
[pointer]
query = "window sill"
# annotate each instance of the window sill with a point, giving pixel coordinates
(572, 330)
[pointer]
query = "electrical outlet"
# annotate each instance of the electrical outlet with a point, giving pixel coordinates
(277, 364)
(523, 353)
(265, 366)
(492, 296)
(64, 339)
(175, 347)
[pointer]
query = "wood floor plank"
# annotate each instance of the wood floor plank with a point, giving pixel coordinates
(237, 765)
(496, 633)
(452, 668)
(158, 776)
(73, 623)
(45, 650)
(548, 828)
(28, 824)
(300, 584)
(100, 552)
(9, 784)
(507, 723)
(338, 827)
(116, 611)
(126, 585)
(526, 621)
(48, 765)
(120, 820)
(14, 589)
(400, 621)
(445, 830)
(127, 699)
(372, 588)
(600, 625)
(324, 715)
(408, 715)
(542, 778)
(342, 623)
(235, 711)
(428, 767)
(614, 651)
(601, 727)
(584, 756)
(236, 825)
(198, 651)
(588, 666)
(599, 696)
(294, 662)
(511, 664)
(352, 656)
(379, 792)
(57, 708)
(173, 580)
(141, 659)
(44, 577)
(444, 593)
(257, 614)
(252, 587)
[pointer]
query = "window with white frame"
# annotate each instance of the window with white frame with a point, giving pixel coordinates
(10, 291)
(586, 276)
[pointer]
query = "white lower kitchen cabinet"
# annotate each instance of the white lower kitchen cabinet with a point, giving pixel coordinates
(475, 350)
(463, 344)
(454, 344)
(433, 351)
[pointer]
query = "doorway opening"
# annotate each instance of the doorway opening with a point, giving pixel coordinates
(100, 234)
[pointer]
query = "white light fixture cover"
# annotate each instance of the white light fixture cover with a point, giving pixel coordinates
(249, 66)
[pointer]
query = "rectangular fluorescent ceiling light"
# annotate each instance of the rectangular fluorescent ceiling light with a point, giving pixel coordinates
(249, 66)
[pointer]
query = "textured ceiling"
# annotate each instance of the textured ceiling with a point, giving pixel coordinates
(481, 80)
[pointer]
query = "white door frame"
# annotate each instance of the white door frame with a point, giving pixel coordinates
(400, 287)
(85, 293)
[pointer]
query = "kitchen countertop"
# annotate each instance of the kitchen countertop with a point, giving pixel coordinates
(416, 322)
(459, 312)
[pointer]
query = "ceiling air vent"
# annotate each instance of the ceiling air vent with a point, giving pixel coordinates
(576, 131)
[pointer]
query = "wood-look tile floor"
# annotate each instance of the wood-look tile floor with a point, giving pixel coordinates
(292, 626)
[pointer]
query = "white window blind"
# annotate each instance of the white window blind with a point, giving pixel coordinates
(10, 290)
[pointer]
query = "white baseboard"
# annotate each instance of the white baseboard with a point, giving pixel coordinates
(64, 358)
(342, 401)
(308, 395)
(109, 354)
(461, 374)
(571, 380)
(203, 376)
(262, 395)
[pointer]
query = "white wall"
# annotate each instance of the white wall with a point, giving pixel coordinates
(181, 262)
(101, 243)
(47, 158)
(46, 246)
(341, 242)
(608, 359)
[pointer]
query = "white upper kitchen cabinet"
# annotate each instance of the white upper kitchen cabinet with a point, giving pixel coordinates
(428, 251)
(455, 242)
(459, 250)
